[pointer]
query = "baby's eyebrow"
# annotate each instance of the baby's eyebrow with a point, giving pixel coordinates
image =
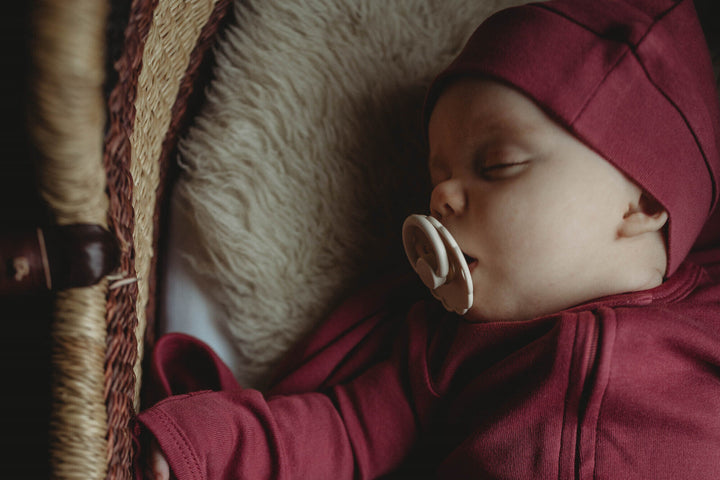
(501, 127)
(436, 163)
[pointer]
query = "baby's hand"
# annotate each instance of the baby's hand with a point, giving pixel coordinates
(155, 466)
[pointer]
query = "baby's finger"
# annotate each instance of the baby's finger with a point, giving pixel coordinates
(157, 467)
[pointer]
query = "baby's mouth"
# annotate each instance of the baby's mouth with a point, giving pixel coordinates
(471, 261)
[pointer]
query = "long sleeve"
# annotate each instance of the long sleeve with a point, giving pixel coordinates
(358, 430)
(341, 408)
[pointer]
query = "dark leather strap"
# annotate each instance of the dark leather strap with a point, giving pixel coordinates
(55, 258)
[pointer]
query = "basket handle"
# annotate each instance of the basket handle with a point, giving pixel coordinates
(56, 258)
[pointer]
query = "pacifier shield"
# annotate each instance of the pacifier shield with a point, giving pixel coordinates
(438, 260)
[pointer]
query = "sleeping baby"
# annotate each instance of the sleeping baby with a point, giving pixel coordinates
(572, 253)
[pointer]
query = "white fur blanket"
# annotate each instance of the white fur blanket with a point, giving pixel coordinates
(303, 163)
(299, 170)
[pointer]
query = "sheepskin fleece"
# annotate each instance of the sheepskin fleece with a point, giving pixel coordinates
(307, 156)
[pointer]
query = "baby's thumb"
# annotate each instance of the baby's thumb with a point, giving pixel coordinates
(157, 467)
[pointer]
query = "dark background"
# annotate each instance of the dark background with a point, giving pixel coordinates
(25, 320)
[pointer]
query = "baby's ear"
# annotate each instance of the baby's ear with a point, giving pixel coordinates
(644, 216)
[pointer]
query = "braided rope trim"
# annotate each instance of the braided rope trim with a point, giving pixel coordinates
(165, 45)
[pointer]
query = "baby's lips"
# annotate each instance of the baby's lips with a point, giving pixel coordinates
(437, 259)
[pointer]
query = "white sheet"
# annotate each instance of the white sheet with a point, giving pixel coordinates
(186, 305)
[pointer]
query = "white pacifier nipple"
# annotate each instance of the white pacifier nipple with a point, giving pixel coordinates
(437, 259)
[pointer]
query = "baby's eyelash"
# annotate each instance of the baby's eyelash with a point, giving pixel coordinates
(502, 165)
(496, 171)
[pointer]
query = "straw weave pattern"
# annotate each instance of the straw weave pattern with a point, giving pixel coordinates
(78, 424)
(66, 115)
(172, 37)
(191, 94)
(95, 348)
(121, 384)
(146, 108)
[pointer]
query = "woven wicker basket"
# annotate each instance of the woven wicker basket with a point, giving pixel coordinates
(105, 140)
(104, 160)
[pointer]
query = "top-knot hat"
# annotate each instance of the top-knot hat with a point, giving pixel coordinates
(631, 79)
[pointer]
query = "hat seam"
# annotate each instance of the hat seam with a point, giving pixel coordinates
(685, 120)
(675, 106)
(599, 84)
(656, 20)
(651, 25)
(632, 49)
(628, 45)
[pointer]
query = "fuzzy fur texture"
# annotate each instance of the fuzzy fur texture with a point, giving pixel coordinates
(307, 156)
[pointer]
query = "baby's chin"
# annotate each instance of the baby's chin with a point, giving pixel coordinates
(486, 312)
(476, 314)
(493, 309)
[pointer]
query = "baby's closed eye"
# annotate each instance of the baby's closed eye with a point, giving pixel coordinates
(502, 170)
(501, 161)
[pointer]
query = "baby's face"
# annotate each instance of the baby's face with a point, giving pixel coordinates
(536, 210)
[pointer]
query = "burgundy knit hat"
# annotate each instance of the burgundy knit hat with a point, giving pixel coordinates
(631, 79)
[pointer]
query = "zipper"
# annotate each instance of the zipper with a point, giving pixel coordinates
(589, 373)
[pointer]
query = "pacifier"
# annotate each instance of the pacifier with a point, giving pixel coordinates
(437, 259)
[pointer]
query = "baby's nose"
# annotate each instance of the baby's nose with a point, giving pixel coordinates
(447, 199)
